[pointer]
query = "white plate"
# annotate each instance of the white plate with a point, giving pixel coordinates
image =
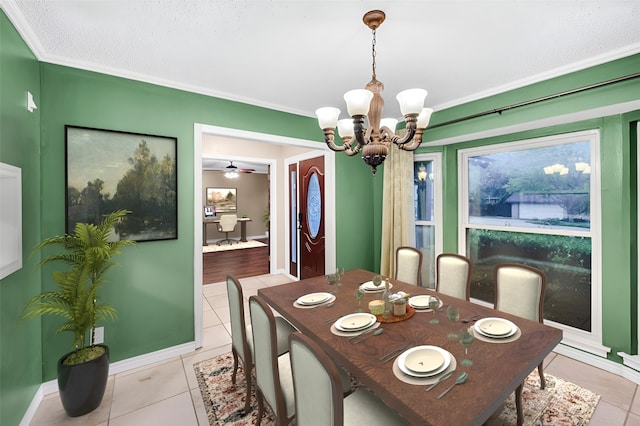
(422, 302)
(368, 286)
(313, 298)
(355, 322)
(495, 327)
(424, 360)
(402, 360)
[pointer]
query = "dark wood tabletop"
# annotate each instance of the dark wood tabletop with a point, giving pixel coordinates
(498, 368)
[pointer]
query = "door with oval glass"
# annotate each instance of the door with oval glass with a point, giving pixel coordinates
(312, 238)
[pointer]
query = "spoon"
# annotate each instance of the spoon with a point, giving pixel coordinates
(441, 379)
(459, 380)
(466, 320)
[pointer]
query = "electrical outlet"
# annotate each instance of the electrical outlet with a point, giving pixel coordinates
(99, 335)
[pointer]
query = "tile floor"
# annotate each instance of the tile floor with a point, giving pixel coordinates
(166, 393)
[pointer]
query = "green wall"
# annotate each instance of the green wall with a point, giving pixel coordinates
(152, 289)
(618, 174)
(20, 342)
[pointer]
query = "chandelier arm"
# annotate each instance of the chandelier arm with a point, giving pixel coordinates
(411, 120)
(329, 139)
(414, 143)
(359, 130)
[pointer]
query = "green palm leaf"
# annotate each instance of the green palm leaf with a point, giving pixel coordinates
(89, 254)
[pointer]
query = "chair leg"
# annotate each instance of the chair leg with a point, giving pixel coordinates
(543, 382)
(235, 365)
(247, 375)
(260, 399)
(520, 417)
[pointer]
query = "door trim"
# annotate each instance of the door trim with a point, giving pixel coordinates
(329, 206)
(279, 186)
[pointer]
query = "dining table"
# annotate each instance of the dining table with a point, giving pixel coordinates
(498, 366)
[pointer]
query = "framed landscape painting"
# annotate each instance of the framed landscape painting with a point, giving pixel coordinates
(108, 170)
(223, 199)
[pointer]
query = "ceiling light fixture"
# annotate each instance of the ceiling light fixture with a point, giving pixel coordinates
(376, 140)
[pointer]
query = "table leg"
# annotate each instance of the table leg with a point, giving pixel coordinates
(204, 234)
(243, 231)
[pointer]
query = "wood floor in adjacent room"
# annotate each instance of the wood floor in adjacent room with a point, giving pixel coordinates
(239, 263)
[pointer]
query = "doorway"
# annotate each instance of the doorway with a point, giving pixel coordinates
(278, 151)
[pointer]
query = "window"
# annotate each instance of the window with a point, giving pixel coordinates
(427, 212)
(536, 202)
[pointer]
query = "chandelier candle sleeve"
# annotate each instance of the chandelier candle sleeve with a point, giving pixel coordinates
(368, 104)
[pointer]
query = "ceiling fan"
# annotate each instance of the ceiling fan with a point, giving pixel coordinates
(232, 168)
(231, 171)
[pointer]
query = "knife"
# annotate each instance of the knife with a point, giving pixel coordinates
(363, 333)
(441, 379)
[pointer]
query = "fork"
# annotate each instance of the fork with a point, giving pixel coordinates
(391, 355)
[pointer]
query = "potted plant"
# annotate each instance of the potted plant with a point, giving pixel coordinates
(82, 373)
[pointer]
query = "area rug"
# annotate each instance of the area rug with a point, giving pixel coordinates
(213, 247)
(224, 401)
(560, 403)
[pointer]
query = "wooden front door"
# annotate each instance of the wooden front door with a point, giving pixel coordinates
(312, 208)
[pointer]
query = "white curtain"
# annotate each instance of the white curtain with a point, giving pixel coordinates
(397, 207)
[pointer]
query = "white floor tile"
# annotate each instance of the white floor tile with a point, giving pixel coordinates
(176, 410)
(148, 386)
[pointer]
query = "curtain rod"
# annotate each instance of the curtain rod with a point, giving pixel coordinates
(535, 101)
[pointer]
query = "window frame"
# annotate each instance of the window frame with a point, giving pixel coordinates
(436, 159)
(587, 341)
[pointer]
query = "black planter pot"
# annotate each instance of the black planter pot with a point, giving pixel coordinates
(82, 386)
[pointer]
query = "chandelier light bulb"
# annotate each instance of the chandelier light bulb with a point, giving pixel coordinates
(358, 101)
(327, 117)
(411, 101)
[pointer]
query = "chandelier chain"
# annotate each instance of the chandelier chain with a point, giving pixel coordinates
(373, 55)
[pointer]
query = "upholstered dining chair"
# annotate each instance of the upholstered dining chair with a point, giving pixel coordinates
(227, 224)
(274, 383)
(520, 291)
(408, 265)
(453, 275)
(242, 335)
(318, 393)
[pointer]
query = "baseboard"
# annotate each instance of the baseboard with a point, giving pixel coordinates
(51, 386)
(598, 362)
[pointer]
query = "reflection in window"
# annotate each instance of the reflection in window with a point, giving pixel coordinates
(425, 169)
(531, 188)
(530, 202)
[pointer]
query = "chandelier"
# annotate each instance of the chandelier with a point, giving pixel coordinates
(376, 140)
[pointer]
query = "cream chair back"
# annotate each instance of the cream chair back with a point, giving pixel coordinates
(408, 265)
(453, 275)
(241, 336)
(319, 396)
(273, 374)
(228, 222)
(239, 339)
(520, 290)
(316, 382)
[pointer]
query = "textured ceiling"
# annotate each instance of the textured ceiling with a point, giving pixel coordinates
(299, 55)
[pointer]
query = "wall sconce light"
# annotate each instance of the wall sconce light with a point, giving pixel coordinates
(31, 105)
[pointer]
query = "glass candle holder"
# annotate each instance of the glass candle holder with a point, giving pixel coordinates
(376, 307)
(399, 307)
